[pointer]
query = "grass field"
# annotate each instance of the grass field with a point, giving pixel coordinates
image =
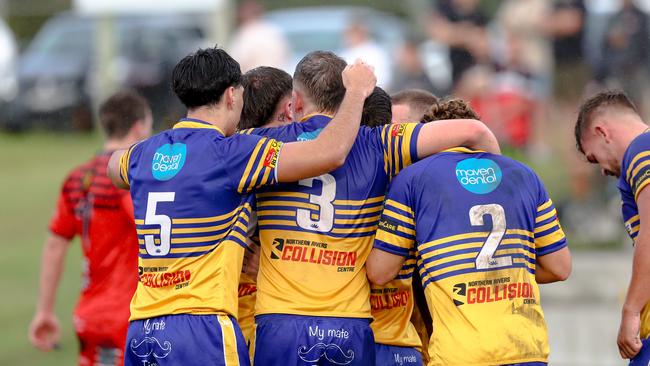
(35, 166)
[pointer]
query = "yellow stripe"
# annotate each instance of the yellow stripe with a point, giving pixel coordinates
(393, 239)
(406, 145)
(258, 169)
(139, 222)
(448, 269)
(250, 164)
(283, 194)
(384, 139)
(547, 226)
(521, 232)
(191, 124)
(501, 252)
(356, 221)
(309, 206)
(636, 158)
(637, 169)
(354, 230)
(399, 206)
(635, 229)
(358, 202)
(205, 229)
(239, 236)
(633, 218)
(545, 206)
(267, 212)
(303, 119)
(546, 216)
(125, 160)
(481, 234)
(530, 244)
(359, 212)
(230, 352)
(463, 150)
(265, 178)
(433, 253)
(277, 222)
(201, 248)
(638, 190)
(550, 239)
(402, 218)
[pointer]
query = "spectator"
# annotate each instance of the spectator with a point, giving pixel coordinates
(257, 42)
(359, 44)
(409, 73)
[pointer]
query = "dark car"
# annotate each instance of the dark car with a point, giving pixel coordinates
(58, 76)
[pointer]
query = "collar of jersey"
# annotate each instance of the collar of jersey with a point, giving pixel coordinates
(312, 115)
(464, 150)
(196, 123)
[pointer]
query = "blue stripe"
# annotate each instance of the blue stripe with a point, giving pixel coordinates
(406, 267)
(258, 159)
(547, 221)
(452, 243)
(400, 234)
(298, 231)
(261, 216)
(285, 208)
(548, 232)
(414, 143)
(551, 248)
(237, 240)
(188, 245)
(635, 165)
(398, 211)
(404, 276)
(359, 207)
(400, 158)
(530, 249)
(390, 248)
(176, 255)
(281, 198)
(400, 222)
(451, 254)
(520, 237)
(473, 270)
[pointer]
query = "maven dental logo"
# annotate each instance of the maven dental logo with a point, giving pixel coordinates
(168, 161)
(478, 176)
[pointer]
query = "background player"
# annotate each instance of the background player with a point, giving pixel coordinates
(410, 105)
(188, 187)
(267, 98)
(322, 228)
(91, 207)
(485, 232)
(610, 133)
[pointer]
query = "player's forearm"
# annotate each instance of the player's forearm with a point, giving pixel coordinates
(114, 169)
(52, 261)
(543, 276)
(638, 293)
(437, 136)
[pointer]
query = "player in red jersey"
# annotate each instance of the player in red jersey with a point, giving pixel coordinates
(92, 208)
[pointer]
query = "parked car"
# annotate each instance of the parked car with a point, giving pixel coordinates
(58, 76)
(8, 55)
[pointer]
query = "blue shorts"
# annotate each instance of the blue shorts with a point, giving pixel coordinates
(186, 340)
(643, 357)
(296, 340)
(397, 356)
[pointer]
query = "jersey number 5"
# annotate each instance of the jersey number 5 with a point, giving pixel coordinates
(325, 220)
(165, 222)
(485, 258)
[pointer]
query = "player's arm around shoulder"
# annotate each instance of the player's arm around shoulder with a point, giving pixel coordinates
(382, 267)
(117, 167)
(305, 159)
(440, 135)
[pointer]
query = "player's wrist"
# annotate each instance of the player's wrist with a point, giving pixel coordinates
(631, 310)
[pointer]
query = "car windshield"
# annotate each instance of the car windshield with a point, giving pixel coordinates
(63, 38)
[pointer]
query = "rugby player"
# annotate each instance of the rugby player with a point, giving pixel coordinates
(267, 103)
(610, 133)
(188, 186)
(90, 207)
(483, 233)
(409, 105)
(313, 296)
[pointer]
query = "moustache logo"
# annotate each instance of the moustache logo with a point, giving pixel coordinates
(150, 345)
(331, 352)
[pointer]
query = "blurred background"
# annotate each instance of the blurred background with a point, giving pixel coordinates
(524, 65)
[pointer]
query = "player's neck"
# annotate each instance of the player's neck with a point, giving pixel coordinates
(628, 134)
(212, 115)
(117, 144)
(311, 110)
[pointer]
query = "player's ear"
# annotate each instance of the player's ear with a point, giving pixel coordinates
(296, 102)
(287, 109)
(230, 96)
(602, 132)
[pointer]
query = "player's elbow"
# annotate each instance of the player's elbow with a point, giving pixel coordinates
(564, 271)
(481, 137)
(376, 277)
(335, 159)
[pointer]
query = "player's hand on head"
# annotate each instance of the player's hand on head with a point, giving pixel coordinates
(359, 77)
(629, 342)
(44, 331)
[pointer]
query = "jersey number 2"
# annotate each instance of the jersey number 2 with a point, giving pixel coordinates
(165, 222)
(325, 220)
(485, 258)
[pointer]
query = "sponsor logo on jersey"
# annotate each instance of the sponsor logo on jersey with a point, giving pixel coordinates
(271, 158)
(388, 298)
(388, 225)
(166, 279)
(276, 248)
(168, 161)
(307, 251)
(398, 129)
(246, 289)
(487, 291)
(479, 176)
(308, 136)
(642, 178)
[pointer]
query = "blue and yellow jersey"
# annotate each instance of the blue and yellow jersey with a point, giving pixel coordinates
(189, 187)
(478, 222)
(392, 307)
(316, 234)
(635, 175)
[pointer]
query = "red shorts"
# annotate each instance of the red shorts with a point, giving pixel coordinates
(103, 353)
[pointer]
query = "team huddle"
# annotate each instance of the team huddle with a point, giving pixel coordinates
(316, 220)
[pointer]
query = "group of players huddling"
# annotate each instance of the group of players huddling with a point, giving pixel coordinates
(353, 236)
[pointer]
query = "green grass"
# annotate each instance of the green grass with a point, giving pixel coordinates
(34, 166)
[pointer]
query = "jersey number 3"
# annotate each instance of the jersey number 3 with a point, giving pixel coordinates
(485, 258)
(325, 220)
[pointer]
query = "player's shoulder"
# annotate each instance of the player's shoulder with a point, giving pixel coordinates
(640, 144)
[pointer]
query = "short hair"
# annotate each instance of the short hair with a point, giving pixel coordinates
(609, 98)
(202, 77)
(452, 108)
(418, 100)
(319, 74)
(121, 111)
(377, 109)
(264, 88)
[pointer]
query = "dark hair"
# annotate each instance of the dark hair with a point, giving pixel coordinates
(319, 73)
(202, 77)
(264, 88)
(449, 109)
(590, 106)
(377, 109)
(121, 111)
(418, 100)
